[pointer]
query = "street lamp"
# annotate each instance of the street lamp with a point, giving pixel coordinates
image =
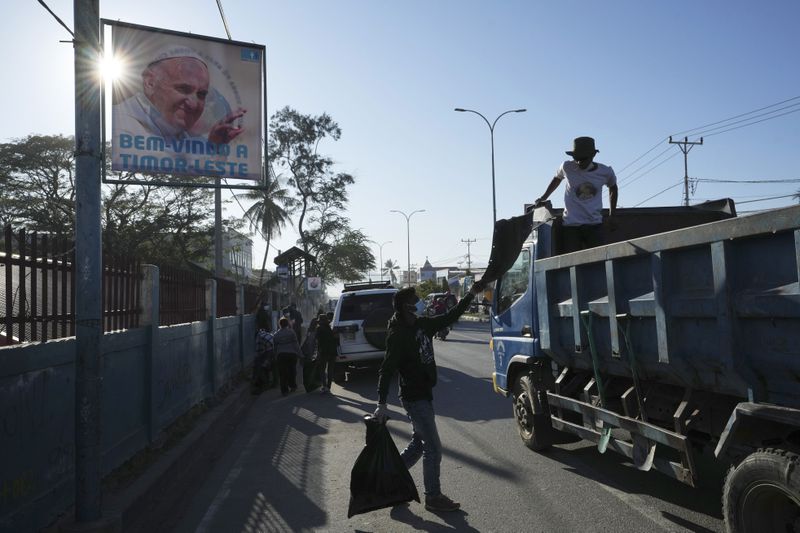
(408, 237)
(380, 254)
(491, 132)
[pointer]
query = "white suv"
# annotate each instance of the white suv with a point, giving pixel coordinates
(360, 321)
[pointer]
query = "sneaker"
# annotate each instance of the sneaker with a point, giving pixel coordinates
(323, 390)
(441, 503)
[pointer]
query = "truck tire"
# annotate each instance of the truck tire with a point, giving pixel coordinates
(533, 429)
(763, 493)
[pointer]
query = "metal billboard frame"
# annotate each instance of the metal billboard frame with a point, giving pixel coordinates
(161, 183)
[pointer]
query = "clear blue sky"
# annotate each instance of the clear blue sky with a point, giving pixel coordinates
(629, 73)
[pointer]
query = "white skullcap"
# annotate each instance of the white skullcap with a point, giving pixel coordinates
(171, 51)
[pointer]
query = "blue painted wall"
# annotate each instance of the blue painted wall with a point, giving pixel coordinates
(151, 376)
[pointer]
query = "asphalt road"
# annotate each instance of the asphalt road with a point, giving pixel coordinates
(288, 467)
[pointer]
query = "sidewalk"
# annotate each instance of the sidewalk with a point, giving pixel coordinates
(163, 483)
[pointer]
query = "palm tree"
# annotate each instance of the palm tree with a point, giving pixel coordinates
(388, 269)
(270, 212)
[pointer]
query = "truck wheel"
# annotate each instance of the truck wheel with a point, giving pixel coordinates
(529, 425)
(763, 493)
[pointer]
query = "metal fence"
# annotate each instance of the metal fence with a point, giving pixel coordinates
(253, 296)
(122, 279)
(182, 296)
(226, 297)
(37, 291)
(37, 295)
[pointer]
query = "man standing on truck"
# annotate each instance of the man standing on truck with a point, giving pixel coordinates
(409, 352)
(583, 199)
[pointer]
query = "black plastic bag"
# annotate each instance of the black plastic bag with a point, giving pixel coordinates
(311, 377)
(379, 478)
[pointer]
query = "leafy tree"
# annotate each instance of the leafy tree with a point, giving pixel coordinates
(270, 212)
(163, 225)
(294, 147)
(342, 253)
(38, 180)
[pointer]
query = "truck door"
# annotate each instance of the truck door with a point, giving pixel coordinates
(512, 317)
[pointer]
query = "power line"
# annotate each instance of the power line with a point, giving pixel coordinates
(690, 132)
(224, 20)
(769, 198)
(712, 180)
(727, 120)
(644, 154)
(628, 180)
(752, 123)
(659, 193)
(56, 17)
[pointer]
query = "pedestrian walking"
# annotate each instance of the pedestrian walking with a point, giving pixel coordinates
(326, 352)
(288, 350)
(264, 369)
(309, 363)
(409, 352)
(583, 198)
(295, 317)
(309, 346)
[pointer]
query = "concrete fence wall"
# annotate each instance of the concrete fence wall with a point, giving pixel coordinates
(151, 376)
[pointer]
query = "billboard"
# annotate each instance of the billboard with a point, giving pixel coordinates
(186, 105)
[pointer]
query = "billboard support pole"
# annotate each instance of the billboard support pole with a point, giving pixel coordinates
(218, 229)
(87, 263)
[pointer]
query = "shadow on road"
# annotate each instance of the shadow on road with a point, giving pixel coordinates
(456, 521)
(613, 470)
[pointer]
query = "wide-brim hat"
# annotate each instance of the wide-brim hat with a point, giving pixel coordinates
(582, 147)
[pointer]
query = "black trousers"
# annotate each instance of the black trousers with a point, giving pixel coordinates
(582, 237)
(325, 365)
(287, 371)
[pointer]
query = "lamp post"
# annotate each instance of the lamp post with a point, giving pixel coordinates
(491, 133)
(380, 254)
(408, 237)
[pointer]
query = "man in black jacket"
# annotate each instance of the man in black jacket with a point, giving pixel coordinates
(409, 352)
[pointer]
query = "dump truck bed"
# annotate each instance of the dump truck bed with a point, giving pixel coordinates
(714, 307)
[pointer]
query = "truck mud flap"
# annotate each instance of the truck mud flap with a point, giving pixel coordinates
(645, 437)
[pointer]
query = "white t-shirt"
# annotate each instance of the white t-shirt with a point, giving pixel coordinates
(583, 197)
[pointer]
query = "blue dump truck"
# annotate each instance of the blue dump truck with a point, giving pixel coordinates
(678, 340)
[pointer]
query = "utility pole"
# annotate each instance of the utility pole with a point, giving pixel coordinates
(88, 264)
(685, 145)
(469, 257)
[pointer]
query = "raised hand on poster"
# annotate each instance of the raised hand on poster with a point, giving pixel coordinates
(225, 131)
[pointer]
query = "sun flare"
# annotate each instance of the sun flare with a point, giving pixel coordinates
(110, 67)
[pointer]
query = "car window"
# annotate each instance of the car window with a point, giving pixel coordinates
(358, 306)
(514, 283)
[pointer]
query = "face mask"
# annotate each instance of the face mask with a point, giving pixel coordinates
(417, 309)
